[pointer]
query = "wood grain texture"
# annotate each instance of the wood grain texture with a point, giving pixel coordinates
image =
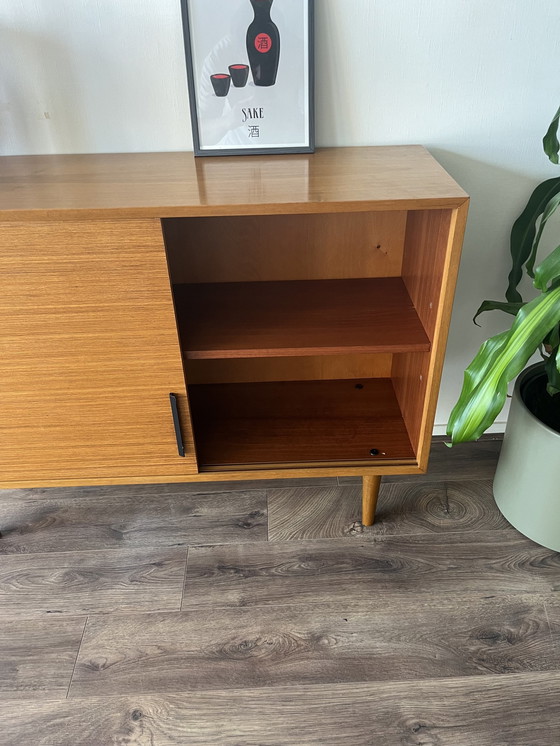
(84, 391)
(346, 206)
(134, 185)
(469, 461)
(309, 368)
(422, 507)
(370, 494)
(106, 518)
(429, 237)
(296, 471)
(392, 567)
(314, 512)
(140, 491)
(430, 268)
(291, 645)
(456, 595)
(414, 507)
(302, 421)
(91, 582)
(286, 247)
(552, 606)
(410, 375)
(286, 319)
(37, 656)
(506, 710)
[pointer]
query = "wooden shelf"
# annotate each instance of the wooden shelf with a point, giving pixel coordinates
(297, 318)
(294, 423)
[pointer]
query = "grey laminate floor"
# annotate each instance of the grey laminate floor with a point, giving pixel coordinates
(263, 614)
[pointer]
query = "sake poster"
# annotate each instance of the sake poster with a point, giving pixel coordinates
(249, 65)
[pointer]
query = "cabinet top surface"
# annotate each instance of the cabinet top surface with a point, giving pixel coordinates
(142, 185)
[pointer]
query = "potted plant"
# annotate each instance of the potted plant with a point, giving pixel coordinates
(527, 481)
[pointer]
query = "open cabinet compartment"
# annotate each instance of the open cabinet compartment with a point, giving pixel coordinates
(307, 338)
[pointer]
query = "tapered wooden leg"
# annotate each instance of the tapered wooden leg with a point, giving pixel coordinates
(369, 499)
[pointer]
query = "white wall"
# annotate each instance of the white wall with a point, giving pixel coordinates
(475, 81)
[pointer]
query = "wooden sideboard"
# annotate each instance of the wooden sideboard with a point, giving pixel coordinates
(296, 307)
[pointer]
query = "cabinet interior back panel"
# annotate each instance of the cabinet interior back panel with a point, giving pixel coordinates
(310, 368)
(285, 247)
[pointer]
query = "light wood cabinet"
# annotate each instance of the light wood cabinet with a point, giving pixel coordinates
(297, 307)
(89, 353)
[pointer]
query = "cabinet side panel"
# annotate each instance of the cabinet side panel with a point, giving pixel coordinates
(424, 262)
(285, 247)
(89, 354)
(431, 262)
(410, 377)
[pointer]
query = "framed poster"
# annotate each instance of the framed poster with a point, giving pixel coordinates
(250, 75)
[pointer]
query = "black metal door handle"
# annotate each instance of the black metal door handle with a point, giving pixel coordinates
(177, 424)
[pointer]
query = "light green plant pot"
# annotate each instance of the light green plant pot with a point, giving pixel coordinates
(527, 481)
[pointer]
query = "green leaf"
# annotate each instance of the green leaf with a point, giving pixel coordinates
(548, 212)
(550, 140)
(465, 420)
(548, 270)
(500, 360)
(552, 368)
(524, 231)
(553, 339)
(497, 305)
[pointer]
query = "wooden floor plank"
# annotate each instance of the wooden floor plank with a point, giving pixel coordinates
(77, 583)
(334, 570)
(402, 508)
(439, 626)
(509, 710)
(323, 644)
(139, 491)
(109, 519)
(552, 607)
(437, 507)
(37, 656)
(314, 512)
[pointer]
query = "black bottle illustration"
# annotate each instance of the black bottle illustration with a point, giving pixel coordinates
(263, 44)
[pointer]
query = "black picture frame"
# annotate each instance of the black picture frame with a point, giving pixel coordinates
(308, 119)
